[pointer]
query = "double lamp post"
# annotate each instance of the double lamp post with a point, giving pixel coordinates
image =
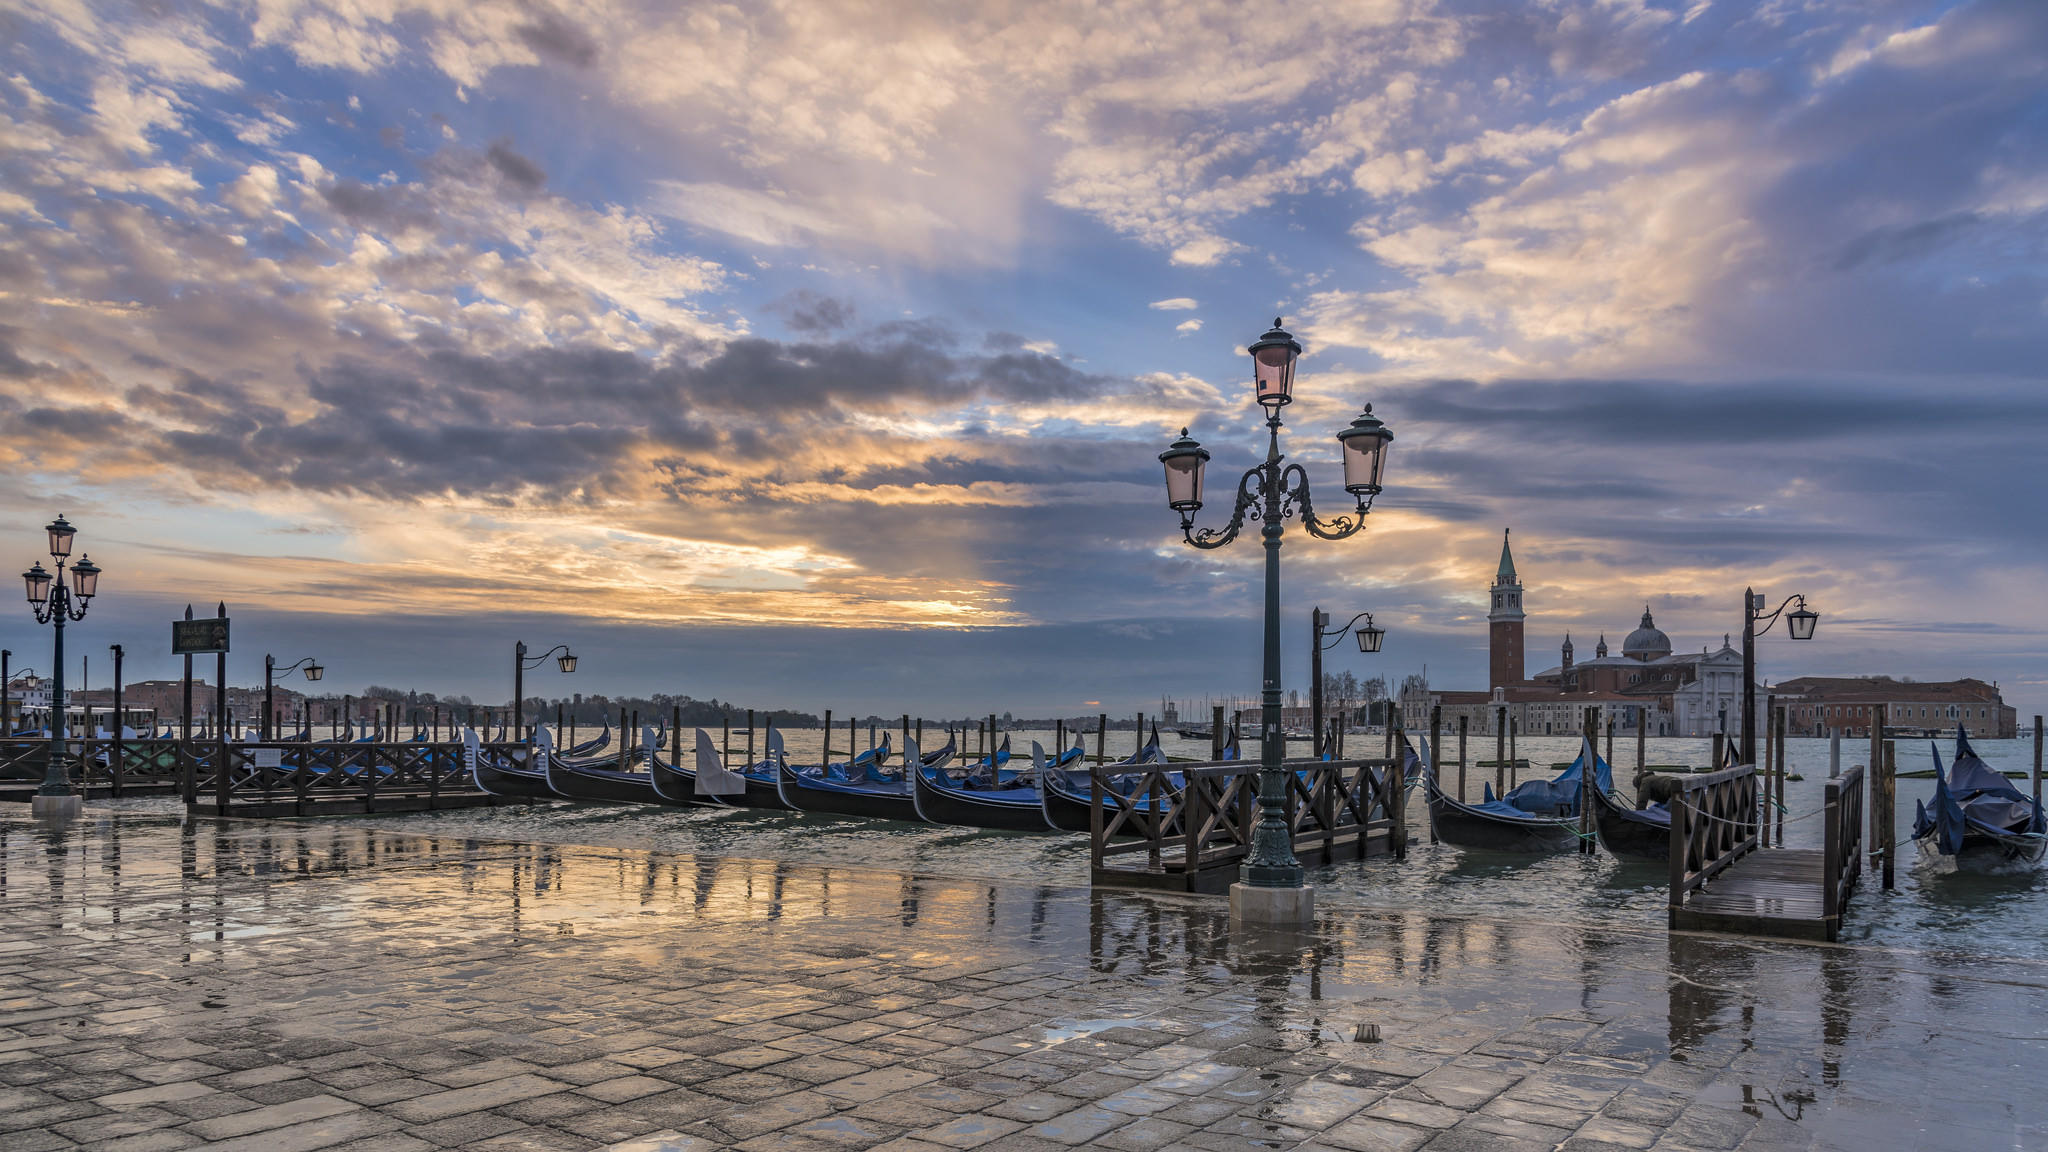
(55, 603)
(1271, 888)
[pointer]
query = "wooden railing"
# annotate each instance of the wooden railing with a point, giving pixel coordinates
(1192, 824)
(264, 773)
(1713, 824)
(1842, 844)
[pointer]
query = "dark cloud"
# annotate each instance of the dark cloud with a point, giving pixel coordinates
(555, 39)
(512, 166)
(813, 314)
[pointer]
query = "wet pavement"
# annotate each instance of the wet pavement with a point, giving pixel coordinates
(283, 986)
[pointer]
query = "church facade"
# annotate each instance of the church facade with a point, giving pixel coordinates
(1646, 686)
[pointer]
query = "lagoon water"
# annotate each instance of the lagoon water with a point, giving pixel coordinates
(1934, 911)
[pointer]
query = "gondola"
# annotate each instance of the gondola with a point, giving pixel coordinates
(876, 798)
(1067, 795)
(500, 778)
(940, 800)
(1631, 835)
(1536, 816)
(1978, 817)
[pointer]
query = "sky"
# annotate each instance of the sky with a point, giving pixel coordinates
(818, 355)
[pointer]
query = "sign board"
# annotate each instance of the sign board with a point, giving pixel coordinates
(266, 757)
(199, 637)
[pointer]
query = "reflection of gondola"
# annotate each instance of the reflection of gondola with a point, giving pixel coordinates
(1977, 816)
(1015, 808)
(1537, 816)
(1632, 835)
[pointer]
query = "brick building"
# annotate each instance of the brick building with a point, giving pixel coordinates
(1852, 704)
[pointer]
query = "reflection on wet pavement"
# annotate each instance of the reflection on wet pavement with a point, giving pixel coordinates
(299, 985)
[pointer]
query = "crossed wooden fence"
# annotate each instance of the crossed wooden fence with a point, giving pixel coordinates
(271, 778)
(1187, 827)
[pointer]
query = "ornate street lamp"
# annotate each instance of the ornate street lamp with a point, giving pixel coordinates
(314, 670)
(1270, 493)
(54, 603)
(1369, 638)
(564, 659)
(1799, 625)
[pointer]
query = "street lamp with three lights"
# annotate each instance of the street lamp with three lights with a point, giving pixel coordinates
(1272, 492)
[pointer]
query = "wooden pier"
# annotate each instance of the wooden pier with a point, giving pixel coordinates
(1723, 881)
(264, 778)
(1191, 835)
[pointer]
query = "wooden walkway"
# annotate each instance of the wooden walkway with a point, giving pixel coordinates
(1724, 880)
(1769, 892)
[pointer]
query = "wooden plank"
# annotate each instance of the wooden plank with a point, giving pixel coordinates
(1770, 892)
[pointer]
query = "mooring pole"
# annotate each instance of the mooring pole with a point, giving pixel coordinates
(1781, 775)
(1436, 757)
(1887, 800)
(1642, 743)
(1219, 737)
(1464, 720)
(1101, 735)
(2037, 763)
(1500, 750)
(1514, 753)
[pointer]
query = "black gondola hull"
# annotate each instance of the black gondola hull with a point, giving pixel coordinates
(499, 780)
(1466, 827)
(937, 805)
(573, 783)
(801, 797)
(1627, 836)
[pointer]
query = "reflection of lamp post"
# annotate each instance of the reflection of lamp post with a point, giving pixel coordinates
(1270, 493)
(1369, 638)
(52, 603)
(1798, 624)
(520, 663)
(314, 671)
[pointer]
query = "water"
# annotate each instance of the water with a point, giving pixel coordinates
(1934, 909)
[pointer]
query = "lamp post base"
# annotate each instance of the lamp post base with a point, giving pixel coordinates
(58, 806)
(1273, 907)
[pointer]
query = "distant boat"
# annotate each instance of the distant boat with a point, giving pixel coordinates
(1978, 817)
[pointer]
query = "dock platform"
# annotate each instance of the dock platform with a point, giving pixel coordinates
(1770, 892)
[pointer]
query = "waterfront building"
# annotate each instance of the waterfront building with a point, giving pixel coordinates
(1851, 704)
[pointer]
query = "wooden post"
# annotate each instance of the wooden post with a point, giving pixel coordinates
(750, 736)
(1642, 746)
(2037, 763)
(1720, 744)
(1464, 720)
(906, 733)
(1591, 728)
(825, 753)
(1218, 736)
(114, 751)
(1500, 750)
(1436, 756)
(1514, 753)
(1887, 800)
(1781, 774)
(220, 711)
(1101, 734)
(1140, 738)
(1610, 741)
(1763, 776)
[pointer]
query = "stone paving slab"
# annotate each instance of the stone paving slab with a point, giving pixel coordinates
(304, 986)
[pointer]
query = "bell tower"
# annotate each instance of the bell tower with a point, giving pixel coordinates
(1504, 623)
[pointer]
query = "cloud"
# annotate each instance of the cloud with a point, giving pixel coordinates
(1175, 304)
(1188, 326)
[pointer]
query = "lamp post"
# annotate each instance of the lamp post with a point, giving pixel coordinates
(520, 663)
(1369, 638)
(53, 603)
(1270, 493)
(1798, 624)
(314, 671)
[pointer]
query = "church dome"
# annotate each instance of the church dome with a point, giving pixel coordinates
(1646, 642)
